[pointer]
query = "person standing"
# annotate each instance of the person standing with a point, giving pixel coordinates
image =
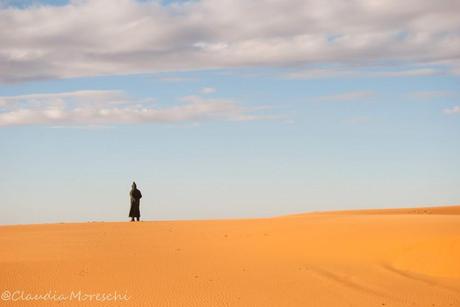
(135, 196)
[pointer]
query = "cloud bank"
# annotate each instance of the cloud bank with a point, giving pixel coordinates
(113, 107)
(102, 37)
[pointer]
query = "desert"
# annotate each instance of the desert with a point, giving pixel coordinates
(393, 257)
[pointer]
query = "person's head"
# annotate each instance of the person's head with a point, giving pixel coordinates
(134, 185)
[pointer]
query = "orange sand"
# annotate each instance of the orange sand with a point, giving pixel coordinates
(404, 257)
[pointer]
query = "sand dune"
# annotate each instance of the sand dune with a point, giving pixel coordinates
(446, 210)
(405, 257)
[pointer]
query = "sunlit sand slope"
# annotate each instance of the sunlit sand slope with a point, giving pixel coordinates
(406, 257)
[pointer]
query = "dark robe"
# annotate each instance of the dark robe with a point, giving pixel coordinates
(136, 196)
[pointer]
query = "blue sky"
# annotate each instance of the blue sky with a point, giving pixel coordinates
(216, 123)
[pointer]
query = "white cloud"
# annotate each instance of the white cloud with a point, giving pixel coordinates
(347, 96)
(420, 72)
(113, 107)
(101, 37)
(207, 90)
(320, 73)
(427, 95)
(359, 72)
(452, 110)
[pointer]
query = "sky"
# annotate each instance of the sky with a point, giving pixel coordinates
(226, 109)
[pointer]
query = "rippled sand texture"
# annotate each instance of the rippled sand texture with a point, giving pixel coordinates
(404, 257)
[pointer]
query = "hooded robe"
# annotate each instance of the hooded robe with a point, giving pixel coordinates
(135, 196)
